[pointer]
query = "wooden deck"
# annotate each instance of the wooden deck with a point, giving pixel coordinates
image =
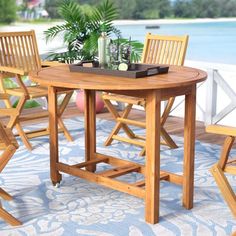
(174, 125)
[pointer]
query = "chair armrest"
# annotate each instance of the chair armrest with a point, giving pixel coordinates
(220, 129)
(50, 63)
(12, 70)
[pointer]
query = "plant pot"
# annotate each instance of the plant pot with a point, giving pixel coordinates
(80, 101)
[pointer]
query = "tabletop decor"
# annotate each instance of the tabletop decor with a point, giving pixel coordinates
(135, 70)
(103, 49)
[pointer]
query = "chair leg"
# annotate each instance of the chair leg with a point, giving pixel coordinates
(228, 143)
(167, 139)
(143, 152)
(19, 107)
(165, 136)
(119, 124)
(224, 187)
(218, 173)
(65, 130)
(6, 156)
(6, 196)
(10, 219)
(61, 110)
(23, 136)
(125, 114)
(167, 110)
(14, 122)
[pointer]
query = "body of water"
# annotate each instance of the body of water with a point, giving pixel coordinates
(211, 42)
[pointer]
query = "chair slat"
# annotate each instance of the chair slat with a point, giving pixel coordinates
(165, 50)
(19, 50)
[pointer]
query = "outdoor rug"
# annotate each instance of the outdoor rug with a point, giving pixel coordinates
(79, 207)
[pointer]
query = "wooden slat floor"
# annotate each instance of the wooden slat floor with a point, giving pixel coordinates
(174, 125)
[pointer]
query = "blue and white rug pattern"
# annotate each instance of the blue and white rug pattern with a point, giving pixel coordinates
(79, 207)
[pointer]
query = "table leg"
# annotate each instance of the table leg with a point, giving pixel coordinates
(90, 128)
(152, 174)
(53, 124)
(189, 148)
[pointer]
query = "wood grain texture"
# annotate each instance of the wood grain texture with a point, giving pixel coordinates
(8, 146)
(152, 183)
(60, 76)
(158, 49)
(54, 156)
(153, 92)
(220, 129)
(90, 128)
(19, 56)
(224, 165)
(189, 148)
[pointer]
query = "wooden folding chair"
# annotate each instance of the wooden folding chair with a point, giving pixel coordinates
(18, 56)
(224, 165)
(8, 146)
(158, 49)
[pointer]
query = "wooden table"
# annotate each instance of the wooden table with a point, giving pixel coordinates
(179, 81)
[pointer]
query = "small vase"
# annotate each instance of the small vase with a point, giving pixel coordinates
(103, 51)
(80, 101)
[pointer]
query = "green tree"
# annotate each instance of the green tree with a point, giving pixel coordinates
(164, 7)
(184, 8)
(7, 11)
(51, 7)
(152, 9)
(126, 8)
(207, 8)
(229, 9)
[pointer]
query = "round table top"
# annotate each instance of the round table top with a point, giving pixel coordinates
(60, 76)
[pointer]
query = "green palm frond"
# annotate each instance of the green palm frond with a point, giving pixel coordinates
(103, 15)
(71, 12)
(91, 45)
(66, 57)
(52, 32)
(82, 29)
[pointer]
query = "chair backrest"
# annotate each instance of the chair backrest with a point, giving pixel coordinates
(19, 50)
(160, 49)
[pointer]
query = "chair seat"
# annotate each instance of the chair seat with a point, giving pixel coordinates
(34, 91)
(221, 129)
(125, 99)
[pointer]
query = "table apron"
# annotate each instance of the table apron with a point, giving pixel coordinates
(164, 93)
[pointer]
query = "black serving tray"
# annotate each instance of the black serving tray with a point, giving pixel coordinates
(134, 71)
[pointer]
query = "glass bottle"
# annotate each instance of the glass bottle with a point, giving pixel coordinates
(103, 50)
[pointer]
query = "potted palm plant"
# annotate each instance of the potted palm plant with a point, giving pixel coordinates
(82, 29)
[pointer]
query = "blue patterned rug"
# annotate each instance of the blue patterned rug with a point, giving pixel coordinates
(79, 207)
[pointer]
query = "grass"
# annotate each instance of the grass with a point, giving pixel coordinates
(38, 21)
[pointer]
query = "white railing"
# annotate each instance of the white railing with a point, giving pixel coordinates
(216, 97)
